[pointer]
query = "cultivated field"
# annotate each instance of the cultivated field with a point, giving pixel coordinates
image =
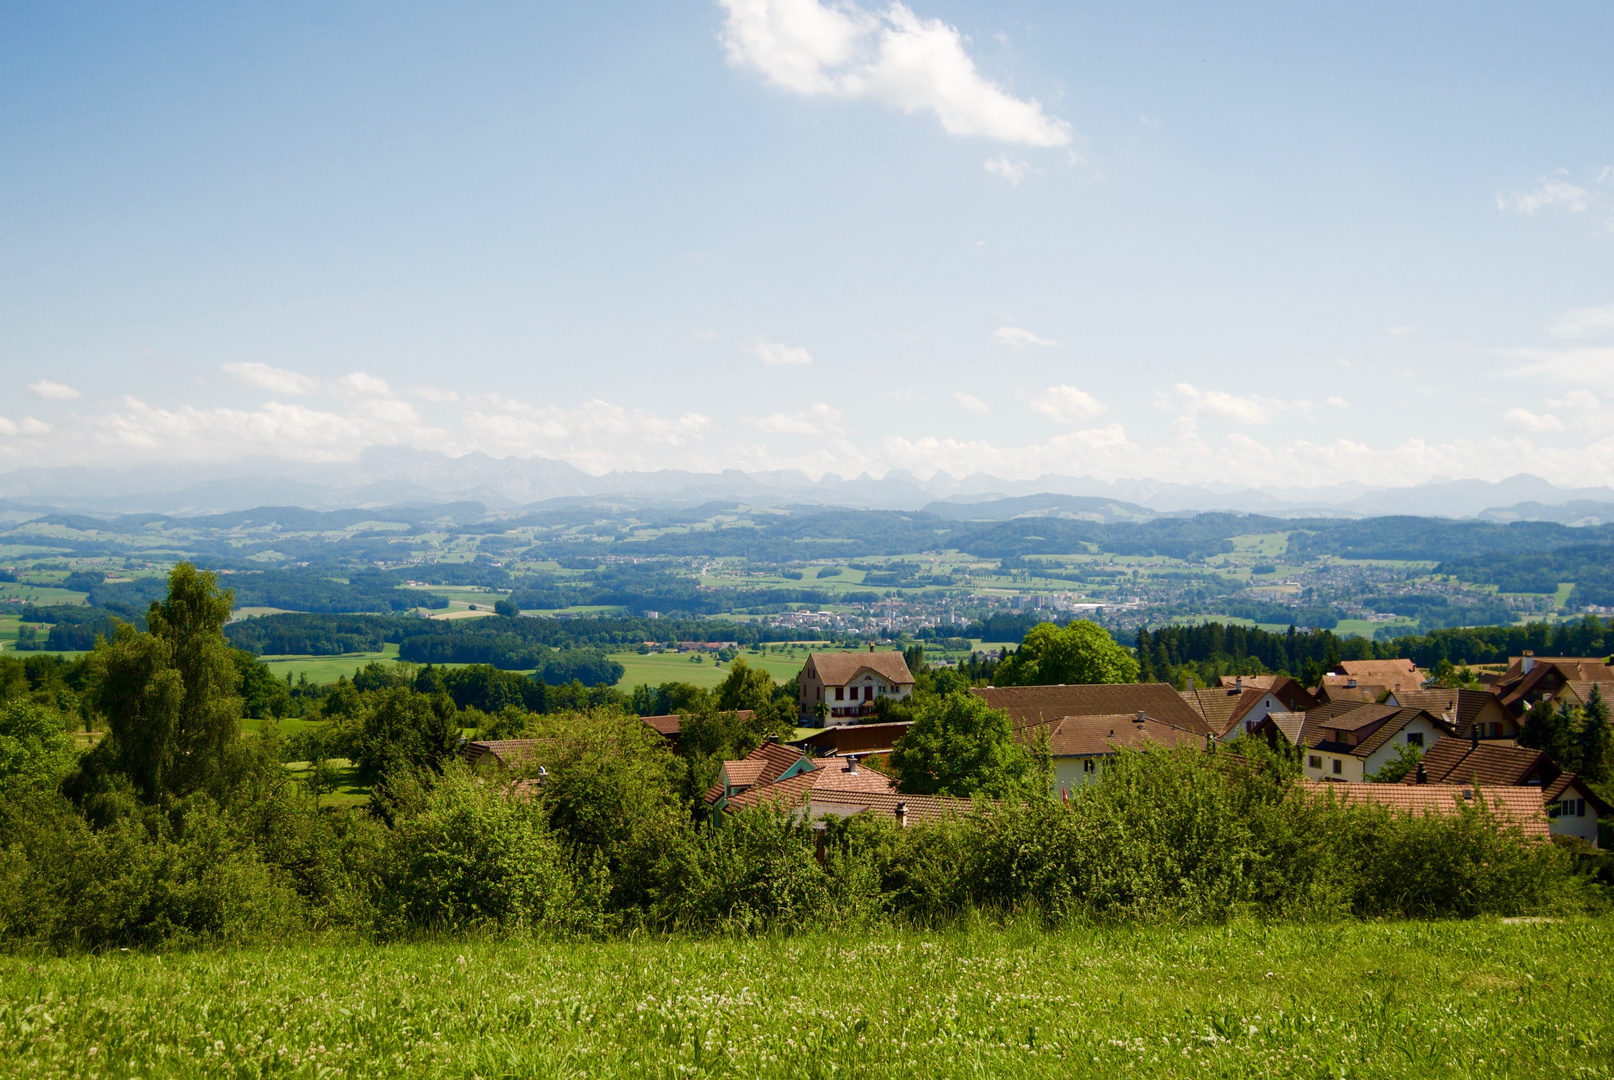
(1475, 999)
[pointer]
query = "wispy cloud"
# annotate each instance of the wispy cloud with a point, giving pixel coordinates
(1188, 400)
(773, 354)
(275, 380)
(971, 402)
(1010, 170)
(819, 419)
(1066, 404)
(1399, 331)
(1525, 420)
(893, 57)
(1551, 192)
(53, 391)
(1017, 336)
(1586, 322)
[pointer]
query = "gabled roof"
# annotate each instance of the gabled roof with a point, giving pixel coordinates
(1093, 736)
(1033, 705)
(1224, 709)
(1571, 785)
(1459, 761)
(1461, 706)
(1581, 689)
(1511, 805)
(840, 668)
(672, 724)
(1579, 668)
(1517, 685)
(764, 765)
(1371, 727)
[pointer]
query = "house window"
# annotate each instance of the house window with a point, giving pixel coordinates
(1415, 738)
(868, 693)
(1088, 765)
(840, 693)
(1572, 808)
(1314, 762)
(1339, 766)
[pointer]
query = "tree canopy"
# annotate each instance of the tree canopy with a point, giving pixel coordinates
(1082, 652)
(960, 746)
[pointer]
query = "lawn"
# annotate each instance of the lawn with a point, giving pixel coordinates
(1477, 999)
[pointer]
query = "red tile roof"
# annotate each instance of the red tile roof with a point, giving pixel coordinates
(1459, 761)
(1511, 805)
(1092, 736)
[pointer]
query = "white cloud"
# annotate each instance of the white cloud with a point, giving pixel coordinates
(894, 57)
(596, 436)
(366, 385)
(1188, 400)
(1012, 171)
(7, 427)
(53, 391)
(1581, 400)
(1066, 404)
(1586, 322)
(971, 402)
(1336, 402)
(1016, 336)
(1525, 420)
(1551, 192)
(273, 379)
(773, 354)
(1592, 366)
(1399, 331)
(433, 393)
(30, 426)
(820, 419)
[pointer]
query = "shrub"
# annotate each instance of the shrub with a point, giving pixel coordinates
(476, 855)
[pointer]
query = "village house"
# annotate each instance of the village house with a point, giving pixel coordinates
(848, 684)
(1572, 807)
(1237, 706)
(844, 787)
(1530, 679)
(1354, 744)
(1034, 706)
(767, 764)
(1081, 745)
(1468, 711)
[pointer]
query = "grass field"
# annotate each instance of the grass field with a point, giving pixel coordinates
(1478, 999)
(326, 669)
(658, 668)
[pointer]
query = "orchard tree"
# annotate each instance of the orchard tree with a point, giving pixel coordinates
(1083, 652)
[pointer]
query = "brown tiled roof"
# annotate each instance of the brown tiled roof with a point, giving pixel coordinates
(1571, 782)
(761, 766)
(1089, 736)
(1335, 688)
(1031, 705)
(1459, 705)
(1386, 671)
(1393, 726)
(1516, 686)
(504, 752)
(1291, 725)
(1511, 805)
(1458, 761)
(672, 724)
(1582, 689)
(1578, 668)
(840, 668)
(830, 776)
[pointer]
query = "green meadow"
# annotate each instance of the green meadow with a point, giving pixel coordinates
(1473, 999)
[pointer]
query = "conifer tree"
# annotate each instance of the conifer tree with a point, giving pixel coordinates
(1595, 740)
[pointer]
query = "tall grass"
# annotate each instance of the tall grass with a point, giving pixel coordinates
(1474, 999)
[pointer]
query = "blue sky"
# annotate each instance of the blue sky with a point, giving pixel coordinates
(1355, 242)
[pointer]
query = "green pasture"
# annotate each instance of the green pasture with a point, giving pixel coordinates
(326, 669)
(658, 668)
(1482, 999)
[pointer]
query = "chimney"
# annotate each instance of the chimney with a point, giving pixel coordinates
(1238, 684)
(851, 764)
(902, 815)
(1190, 682)
(1527, 661)
(1141, 716)
(1423, 774)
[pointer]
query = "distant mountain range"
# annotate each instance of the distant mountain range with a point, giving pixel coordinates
(398, 477)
